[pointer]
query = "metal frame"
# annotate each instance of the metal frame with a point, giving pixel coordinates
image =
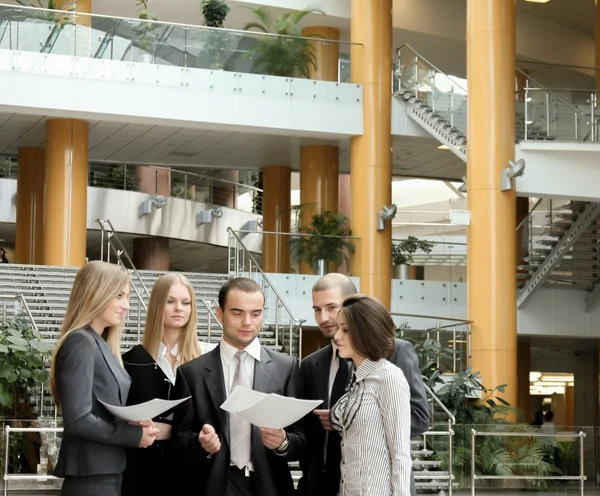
(581, 477)
(209, 304)
(582, 223)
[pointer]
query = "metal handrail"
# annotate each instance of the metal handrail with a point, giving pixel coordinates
(529, 213)
(211, 315)
(174, 24)
(432, 317)
(25, 305)
(581, 477)
(406, 45)
(437, 400)
(294, 322)
(118, 252)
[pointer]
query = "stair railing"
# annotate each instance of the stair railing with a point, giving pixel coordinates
(242, 263)
(210, 305)
(449, 432)
(114, 244)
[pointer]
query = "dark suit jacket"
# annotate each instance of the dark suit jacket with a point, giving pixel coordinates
(315, 376)
(93, 443)
(202, 378)
(148, 381)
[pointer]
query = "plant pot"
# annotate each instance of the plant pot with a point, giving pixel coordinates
(322, 267)
(401, 271)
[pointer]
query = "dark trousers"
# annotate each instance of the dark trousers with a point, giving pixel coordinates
(240, 485)
(92, 485)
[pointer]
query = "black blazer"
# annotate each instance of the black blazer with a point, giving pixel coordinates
(93, 441)
(148, 381)
(202, 378)
(315, 377)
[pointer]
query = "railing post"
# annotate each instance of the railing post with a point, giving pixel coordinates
(581, 464)
(547, 114)
(473, 476)
(416, 76)
(526, 110)
(450, 458)
(593, 116)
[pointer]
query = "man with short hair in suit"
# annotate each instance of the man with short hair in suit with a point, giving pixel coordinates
(325, 376)
(233, 457)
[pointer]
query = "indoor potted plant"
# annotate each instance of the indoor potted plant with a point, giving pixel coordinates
(326, 241)
(289, 55)
(402, 255)
(218, 45)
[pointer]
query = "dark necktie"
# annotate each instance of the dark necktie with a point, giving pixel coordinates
(340, 382)
(333, 439)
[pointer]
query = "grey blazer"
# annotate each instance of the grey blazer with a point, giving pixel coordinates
(315, 376)
(203, 379)
(93, 441)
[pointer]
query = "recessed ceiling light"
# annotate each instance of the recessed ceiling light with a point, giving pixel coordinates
(443, 147)
(538, 1)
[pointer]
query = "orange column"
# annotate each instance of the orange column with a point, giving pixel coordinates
(65, 198)
(370, 154)
(151, 253)
(597, 39)
(327, 54)
(491, 265)
(276, 218)
(30, 206)
(319, 171)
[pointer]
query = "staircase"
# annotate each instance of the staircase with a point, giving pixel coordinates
(438, 103)
(564, 252)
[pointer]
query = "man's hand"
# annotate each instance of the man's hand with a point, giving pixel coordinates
(209, 440)
(324, 418)
(164, 431)
(272, 438)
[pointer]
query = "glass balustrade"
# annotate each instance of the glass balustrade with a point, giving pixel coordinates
(29, 33)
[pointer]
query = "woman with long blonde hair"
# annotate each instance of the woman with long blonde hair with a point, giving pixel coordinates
(86, 370)
(169, 340)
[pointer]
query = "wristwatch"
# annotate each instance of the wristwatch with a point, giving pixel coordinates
(283, 447)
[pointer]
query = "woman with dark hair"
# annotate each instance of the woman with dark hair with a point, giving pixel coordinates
(373, 415)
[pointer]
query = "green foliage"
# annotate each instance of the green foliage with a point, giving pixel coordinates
(257, 196)
(179, 187)
(327, 241)
(8, 168)
(51, 5)
(23, 359)
(144, 12)
(288, 55)
(402, 252)
(214, 12)
(117, 178)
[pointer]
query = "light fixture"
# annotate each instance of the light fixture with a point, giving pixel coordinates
(158, 202)
(443, 147)
(513, 170)
(386, 213)
(205, 216)
(463, 187)
(251, 225)
(538, 1)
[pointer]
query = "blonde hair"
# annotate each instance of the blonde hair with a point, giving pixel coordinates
(189, 348)
(96, 285)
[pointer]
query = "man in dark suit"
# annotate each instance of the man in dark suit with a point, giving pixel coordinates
(233, 457)
(325, 377)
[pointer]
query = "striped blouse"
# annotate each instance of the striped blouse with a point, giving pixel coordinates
(373, 417)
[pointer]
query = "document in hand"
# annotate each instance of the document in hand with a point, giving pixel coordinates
(142, 411)
(267, 410)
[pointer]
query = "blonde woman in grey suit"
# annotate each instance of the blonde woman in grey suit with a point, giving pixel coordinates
(373, 415)
(86, 369)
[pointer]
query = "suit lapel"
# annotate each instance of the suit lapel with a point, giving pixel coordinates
(263, 371)
(115, 367)
(215, 383)
(321, 374)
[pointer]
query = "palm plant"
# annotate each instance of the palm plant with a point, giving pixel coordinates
(326, 241)
(51, 5)
(288, 55)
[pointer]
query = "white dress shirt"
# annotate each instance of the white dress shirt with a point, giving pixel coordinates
(228, 362)
(165, 365)
(334, 367)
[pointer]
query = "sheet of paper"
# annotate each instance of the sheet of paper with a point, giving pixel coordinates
(267, 410)
(142, 411)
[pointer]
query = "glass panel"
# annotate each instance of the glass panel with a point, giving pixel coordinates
(41, 31)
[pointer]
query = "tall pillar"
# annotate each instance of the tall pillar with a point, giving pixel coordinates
(597, 40)
(30, 206)
(327, 55)
(370, 154)
(491, 264)
(276, 218)
(319, 171)
(65, 197)
(151, 253)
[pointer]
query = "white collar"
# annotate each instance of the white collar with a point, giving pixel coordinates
(162, 350)
(228, 351)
